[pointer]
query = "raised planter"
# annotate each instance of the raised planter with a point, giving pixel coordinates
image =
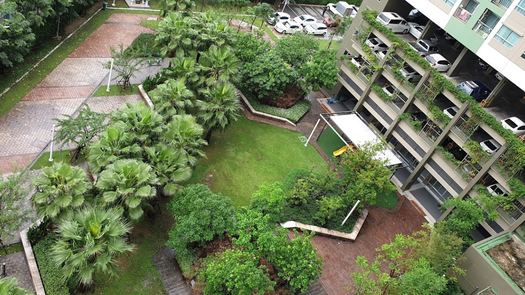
(328, 232)
(31, 263)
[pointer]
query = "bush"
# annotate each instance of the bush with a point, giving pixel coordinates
(269, 200)
(143, 45)
(36, 232)
(150, 83)
(52, 277)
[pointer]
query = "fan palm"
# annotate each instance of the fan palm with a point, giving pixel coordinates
(220, 65)
(61, 189)
(219, 108)
(171, 98)
(185, 135)
(140, 121)
(170, 165)
(128, 183)
(90, 242)
(9, 286)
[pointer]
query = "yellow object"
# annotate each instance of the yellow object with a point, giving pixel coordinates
(341, 151)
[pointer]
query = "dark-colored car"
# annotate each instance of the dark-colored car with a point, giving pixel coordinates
(476, 89)
(416, 16)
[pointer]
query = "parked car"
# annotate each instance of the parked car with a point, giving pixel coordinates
(342, 8)
(438, 62)
(315, 29)
(483, 64)
(305, 19)
(424, 47)
(490, 146)
(333, 21)
(416, 16)
(416, 30)
(514, 124)
(381, 54)
(288, 27)
(376, 44)
(277, 17)
(499, 76)
(475, 89)
(390, 89)
(393, 21)
(410, 74)
(497, 190)
(358, 61)
(451, 111)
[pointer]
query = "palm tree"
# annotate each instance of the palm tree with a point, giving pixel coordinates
(61, 189)
(185, 135)
(140, 121)
(219, 108)
(220, 65)
(9, 286)
(170, 166)
(114, 143)
(183, 69)
(128, 183)
(172, 98)
(89, 243)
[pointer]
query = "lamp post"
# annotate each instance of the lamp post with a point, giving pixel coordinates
(3, 275)
(113, 3)
(52, 139)
(109, 78)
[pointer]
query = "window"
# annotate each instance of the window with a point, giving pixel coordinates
(504, 3)
(507, 37)
(521, 7)
(449, 2)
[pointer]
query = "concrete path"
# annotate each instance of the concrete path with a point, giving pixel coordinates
(170, 272)
(16, 266)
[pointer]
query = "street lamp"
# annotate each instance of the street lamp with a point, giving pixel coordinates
(109, 78)
(52, 138)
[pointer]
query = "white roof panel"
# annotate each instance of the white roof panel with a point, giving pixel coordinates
(360, 134)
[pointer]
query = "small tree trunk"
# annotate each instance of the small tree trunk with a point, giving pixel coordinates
(251, 26)
(3, 246)
(208, 136)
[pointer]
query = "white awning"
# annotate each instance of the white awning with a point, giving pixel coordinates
(360, 134)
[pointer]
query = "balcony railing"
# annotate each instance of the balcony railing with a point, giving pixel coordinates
(502, 3)
(482, 29)
(462, 15)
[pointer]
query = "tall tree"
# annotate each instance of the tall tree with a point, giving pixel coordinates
(129, 184)
(89, 243)
(465, 217)
(297, 49)
(13, 194)
(81, 129)
(219, 108)
(261, 10)
(16, 36)
(185, 135)
(320, 71)
(61, 190)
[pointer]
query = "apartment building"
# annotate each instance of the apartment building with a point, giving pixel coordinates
(428, 121)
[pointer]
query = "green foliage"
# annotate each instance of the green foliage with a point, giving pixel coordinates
(328, 208)
(125, 64)
(269, 200)
(143, 46)
(183, 6)
(16, 36)
(219, 65)
(129, 184)
(218, 107)
(185, 135)
(143, 124)
(89, 243)
(254, 231)
(200, 216)
(61, 190)
(170, 166)
(297, 49)
(292, 177)
(9, 286)
(235, 272)
(465, 217)
(171, 98)
(321, 71)
(12, 198)
(248, 47)
(382, 94)
(38, 230)
(422, 280)
(449, 156)
(52, 279)
(151, 83)
(416, 124)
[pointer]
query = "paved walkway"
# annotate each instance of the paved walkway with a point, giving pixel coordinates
(16, 266)
(170, 272)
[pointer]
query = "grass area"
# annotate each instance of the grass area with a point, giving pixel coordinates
(153, 24)
(250, 153)
(323, 44)
(388, 200)
(115, 90)
(58, 156)
(329, 142)
(13, 248)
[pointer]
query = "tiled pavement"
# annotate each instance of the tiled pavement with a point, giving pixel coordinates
(16, 266)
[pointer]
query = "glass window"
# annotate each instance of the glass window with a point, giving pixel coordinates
(507, 37)
(521, 7)
(450, 2)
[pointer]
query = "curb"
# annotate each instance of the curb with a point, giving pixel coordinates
(31, 263)
(264, 115)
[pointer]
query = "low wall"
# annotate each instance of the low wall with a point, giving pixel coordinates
(31, 263)
(245, 101)
(328, 232)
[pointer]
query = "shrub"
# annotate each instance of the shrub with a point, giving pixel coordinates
(144, 46)
(52, 278)
(36, 232)
(269, 199)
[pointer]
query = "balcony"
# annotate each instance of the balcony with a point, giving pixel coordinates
(504, 4)
(462, 15)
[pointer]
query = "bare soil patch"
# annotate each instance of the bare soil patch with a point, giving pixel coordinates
(510, 256)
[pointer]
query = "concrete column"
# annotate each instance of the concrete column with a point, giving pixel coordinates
(464, 56)
(413, 176)
(359, 105)
(495, 92)
(429, 30)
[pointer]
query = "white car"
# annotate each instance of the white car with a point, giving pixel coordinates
(376, 44)
(381, 54)
(514, 124)
(499, 76)
(389, 90)
(410, 74)
(288, 27)
(497, 190)
(451, 112)
(315, 29)
(277, 17)
(416, 30)
(438, 62)
(490, 146)
(305, 19)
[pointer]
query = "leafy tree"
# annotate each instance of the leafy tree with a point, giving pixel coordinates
(253, 230)
(200, 216)
(219, 107)
(80, 129)
(269, 200)
(90, 242)
(113, 144)
(125, 64)
(144, 124)
(465, 217)
(184, 69)
(12, 197)
(262, 10)
(341, 29)
(297, 49)
(185, 135)
(170, 166)
(321, 71)
(128, 183)
(172, 98)
(9, 286)
(247, 47)
(61, 190)
(184, 6)
(235, 272)
(35, 11)
(268, 76)
(16, 36)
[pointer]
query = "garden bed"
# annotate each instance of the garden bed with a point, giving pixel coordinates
(510, 257)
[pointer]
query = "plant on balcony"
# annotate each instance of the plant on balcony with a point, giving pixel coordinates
(417, 125)
(382, 94)
(477, 154)
(449, 156)
(437, 113)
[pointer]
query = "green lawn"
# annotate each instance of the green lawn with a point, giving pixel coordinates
(115, 90)
(248, 154)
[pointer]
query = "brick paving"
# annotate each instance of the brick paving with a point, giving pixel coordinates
(43, 93)
(16, 266)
